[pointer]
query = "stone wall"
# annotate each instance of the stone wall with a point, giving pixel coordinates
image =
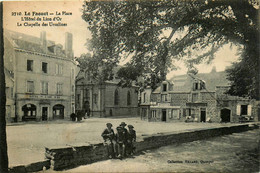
(69, 157)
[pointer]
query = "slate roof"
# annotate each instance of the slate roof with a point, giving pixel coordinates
(31, 43)
(158, 89)
(183, 83)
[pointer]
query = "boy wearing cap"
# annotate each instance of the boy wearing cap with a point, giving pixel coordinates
(131, 138)
(120, 140)
(109, 140)
(125, 132)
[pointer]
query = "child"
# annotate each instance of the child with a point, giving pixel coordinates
(109, 140)
(120, 140)
(131, 138)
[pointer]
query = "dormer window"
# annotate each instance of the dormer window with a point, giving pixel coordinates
(198, 85)
(164, 87)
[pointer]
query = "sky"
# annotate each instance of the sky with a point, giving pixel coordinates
(78, 27)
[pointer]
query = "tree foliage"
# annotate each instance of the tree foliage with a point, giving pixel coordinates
(156, 33)
(95, 67)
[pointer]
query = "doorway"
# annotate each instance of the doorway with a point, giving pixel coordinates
(203, 115)
(225, 115)
(29, 112)
(163, 115)
(58, 111)
(44, 113)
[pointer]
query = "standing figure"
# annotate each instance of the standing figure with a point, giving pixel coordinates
(131, 139)
(109, 140)
(120, 140)
(123, 124)
(73, 117)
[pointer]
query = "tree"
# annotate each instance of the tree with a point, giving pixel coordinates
(94, 68)
(156, 33)
(3, 143)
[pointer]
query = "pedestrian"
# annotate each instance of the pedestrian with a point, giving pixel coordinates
(73, 117)
(109, 140)
(125, 133)
(120, 140)
(79, 116)
(131, 138)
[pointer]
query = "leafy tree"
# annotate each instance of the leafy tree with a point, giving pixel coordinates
(94, 68)
(3, 143)
(156, 33)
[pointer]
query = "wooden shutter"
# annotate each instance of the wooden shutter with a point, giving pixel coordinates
(238, 109)
(249, 110)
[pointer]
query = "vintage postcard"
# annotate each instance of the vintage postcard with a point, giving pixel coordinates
(132, 86)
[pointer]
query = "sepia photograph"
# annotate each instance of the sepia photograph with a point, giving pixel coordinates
(129, 86)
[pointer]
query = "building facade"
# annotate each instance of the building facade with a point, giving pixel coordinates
(43, 76)
(105, 99)
(200, 98)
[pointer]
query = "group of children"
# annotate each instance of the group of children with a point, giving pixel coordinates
(121, 143)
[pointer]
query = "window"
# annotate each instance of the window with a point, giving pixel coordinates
(59, 69)
(164, 87)
(30, 86)
(243, 109)
(195, 97)
(196, 86)
(170, 114)
(78, 99)
(199, 85)
(95, 98)
(184, 112)
(202, 85)
(153, 113)
(164, 97)
(29, 65)
(175, 114)
(144, 98)
(59, 88)
(44, 67)
(44, 87)
(12, 92)
(116, 99)
(128, 98)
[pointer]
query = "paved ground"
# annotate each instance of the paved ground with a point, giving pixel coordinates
(26, 142)
(238, 152)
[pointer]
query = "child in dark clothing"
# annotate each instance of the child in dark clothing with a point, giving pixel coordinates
(131, 138)
(120, 140)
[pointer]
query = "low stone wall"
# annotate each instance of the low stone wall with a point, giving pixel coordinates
(69, 157)
(33, 167)
(66, 157)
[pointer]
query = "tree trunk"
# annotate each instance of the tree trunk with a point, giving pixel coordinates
(3, 143)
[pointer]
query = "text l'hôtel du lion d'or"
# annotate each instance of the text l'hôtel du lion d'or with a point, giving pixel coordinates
(37, 19)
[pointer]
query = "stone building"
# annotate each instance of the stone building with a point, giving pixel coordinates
(106, 98)
(9, 91)
(41, 75)
(198, 97)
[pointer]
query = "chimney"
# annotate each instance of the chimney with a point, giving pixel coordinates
(43, 41)
(68, 45)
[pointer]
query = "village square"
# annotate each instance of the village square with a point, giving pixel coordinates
(133, 81)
